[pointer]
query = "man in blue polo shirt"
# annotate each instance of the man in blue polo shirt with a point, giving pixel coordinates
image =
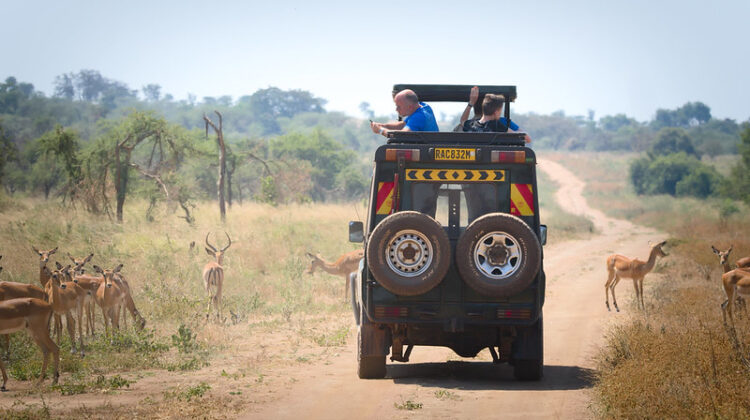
(417, 115)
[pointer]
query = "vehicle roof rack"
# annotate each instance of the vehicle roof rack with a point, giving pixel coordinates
(455, 93)
(449, 137)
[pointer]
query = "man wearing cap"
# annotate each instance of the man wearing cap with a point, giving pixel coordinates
(417, 115)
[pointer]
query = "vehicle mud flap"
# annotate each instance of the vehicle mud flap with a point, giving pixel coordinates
(353, 297)
(527, 352)
(371, 350)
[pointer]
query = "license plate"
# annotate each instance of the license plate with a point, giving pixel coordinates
(451, 153)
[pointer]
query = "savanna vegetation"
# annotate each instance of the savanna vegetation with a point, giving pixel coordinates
(277, 318)
(676, 359)
(133, 176)
(96, 142)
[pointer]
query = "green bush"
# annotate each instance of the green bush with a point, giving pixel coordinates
(674, 174)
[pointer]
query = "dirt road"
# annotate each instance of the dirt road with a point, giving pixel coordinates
(438, 384)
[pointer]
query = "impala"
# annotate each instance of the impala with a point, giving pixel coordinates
(12, 290)
(109, 297)
(34, 316)
(90, 284)
(44, 272)
(736, 284)
(619, 266)
(343, 266)
(128, 304)
(743, 264)
(213, 276)
(64, 298)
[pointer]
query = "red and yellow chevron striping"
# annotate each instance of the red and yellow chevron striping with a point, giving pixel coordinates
(521, 200)
(385, 198)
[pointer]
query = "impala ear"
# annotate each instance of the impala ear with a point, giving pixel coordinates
(716, 251)
(58, 265)
(53, 251)
(309, 255)
(88, 258)
(98, 269)
(35, 250)
(117, 269)
(210, 252)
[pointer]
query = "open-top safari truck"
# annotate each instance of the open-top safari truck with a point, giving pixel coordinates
(453, 246)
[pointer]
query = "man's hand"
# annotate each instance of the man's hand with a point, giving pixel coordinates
(375, 127)
(474, 95)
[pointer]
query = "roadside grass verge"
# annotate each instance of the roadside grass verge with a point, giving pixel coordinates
(676, 359)
(265, 284)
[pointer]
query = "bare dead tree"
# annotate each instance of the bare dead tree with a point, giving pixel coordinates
(222, 160)
(183, 202)
(230, 172)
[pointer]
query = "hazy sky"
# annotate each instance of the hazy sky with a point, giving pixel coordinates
(631, 57)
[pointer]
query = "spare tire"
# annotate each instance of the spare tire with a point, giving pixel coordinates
(408, 253)
(498, 255)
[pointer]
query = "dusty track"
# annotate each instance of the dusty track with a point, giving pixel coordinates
(450, 387)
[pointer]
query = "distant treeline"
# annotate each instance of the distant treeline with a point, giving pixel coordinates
(281, 144)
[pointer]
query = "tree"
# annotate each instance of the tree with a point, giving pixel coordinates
(615, 122)
(64, 145)
(672, 140)
(674, 174)
(222, 160)
(64, 87)
(738, 183)
(326, 156)
(693, 113)
(701, 182)
(137, 128)
(152, 92)
(8, 151)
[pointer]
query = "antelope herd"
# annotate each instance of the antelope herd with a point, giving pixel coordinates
(735, 281)
(66, 292)
(69, 292)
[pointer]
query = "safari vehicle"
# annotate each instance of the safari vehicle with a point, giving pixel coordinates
(453, 246)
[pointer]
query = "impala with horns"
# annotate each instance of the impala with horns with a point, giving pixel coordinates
(213, 276)
(619, 266)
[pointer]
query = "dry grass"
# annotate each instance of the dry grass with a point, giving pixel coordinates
(275, 314)
(676, 360)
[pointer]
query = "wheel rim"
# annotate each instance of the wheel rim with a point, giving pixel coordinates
(409, 253)
(497, 255)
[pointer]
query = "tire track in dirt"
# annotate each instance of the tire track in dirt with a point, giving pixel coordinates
(451, 387)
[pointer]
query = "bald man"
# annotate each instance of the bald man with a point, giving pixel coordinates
(417, 115)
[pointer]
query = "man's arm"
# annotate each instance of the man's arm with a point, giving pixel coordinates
(473, 96)
(396, 125)
(383, 128)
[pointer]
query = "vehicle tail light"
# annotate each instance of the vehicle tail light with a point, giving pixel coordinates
(514, 313)
(412, 155)
(498, 156)
(391, 311)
